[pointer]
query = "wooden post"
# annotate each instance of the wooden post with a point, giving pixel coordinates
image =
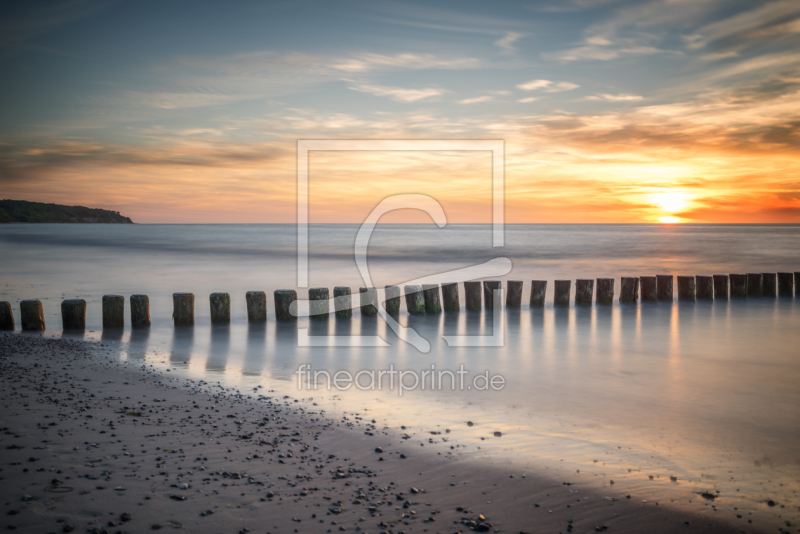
(538, 291)
(140, 311)
(472, 295)
(628, 290)
(584, 288)
(649, 288)
(113, 312)
(369, 301)
(489, 286)
(721, 286)
(183, 309)
(770, 280)
(562, 291)
(755, 285)
(664, 287)
(705, 287)
(73, 314)
(450, 298)
(415, 300)
(220, 308)
(738, 286)
(31, 315)
(605, 292)
(785, 284)
(687, 290)
(6, 316)
(318, 305)
(433, 300)
(342, 303)
(392, 304)
(283, 301)
(256, 306)
(514, 294)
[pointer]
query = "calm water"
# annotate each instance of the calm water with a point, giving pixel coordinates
(706, 392)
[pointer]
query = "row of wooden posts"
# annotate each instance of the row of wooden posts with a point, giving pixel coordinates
(420, 299)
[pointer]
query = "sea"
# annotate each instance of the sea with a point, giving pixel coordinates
(669, 400)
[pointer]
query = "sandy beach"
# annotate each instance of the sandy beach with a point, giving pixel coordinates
(90, 444)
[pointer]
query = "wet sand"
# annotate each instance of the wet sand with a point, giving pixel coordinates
(91, 444)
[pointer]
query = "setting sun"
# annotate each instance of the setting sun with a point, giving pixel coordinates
(671, 201)
(669, 220)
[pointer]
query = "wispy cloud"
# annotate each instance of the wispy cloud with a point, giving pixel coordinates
(547, 86)
(616, 98)
(528, 99)
(368, 62)
(506, 43)
(477, 100)
(399, 94)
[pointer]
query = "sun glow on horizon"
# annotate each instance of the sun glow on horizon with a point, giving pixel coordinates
(669, 220)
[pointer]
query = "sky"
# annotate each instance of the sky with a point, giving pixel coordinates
(660, 111)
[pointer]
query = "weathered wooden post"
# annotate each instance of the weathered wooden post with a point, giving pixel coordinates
(220, 308)
(628, 290)
(283, 303)
(538, 291)
(433, 299)
(256, 306)
(489, 286)
(6, 316)
(664, 287)
(562, 291)
(472, 295)
(649, 288)
(584, 288)
(318, 306)
(392, 300)
(770, 280)
(342, 303)
(140, 311)
(738, 285)
(705, 287)
(686, 288)
(721, 286)
(31, 315)
(755, 284)
(415, 300)
(796, 279)
(369, 301)
(73, 314)
(183, 309)
(785, 284)
(514, 294)
(450, 298)
(113, 312)
(605, 292)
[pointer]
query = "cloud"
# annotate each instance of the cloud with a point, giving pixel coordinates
(368, 62)
(476, 100)
(528, 99)
(399, 94)
(547, 86)
(506, 43)
(615, 98)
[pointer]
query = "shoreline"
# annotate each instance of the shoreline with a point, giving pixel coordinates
(75, 421)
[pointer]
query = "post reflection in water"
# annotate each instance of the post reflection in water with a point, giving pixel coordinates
(256, 350)
(182, 345)
(113, 339)
(137, 344)
(219, 348)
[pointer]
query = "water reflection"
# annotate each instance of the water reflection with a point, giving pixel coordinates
(219, 348)
(256, 350)
(137, 346)
(182, 345)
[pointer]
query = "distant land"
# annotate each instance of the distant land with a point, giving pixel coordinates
(22, 211)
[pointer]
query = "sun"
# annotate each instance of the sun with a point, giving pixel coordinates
(670, 201)
(669, 220)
